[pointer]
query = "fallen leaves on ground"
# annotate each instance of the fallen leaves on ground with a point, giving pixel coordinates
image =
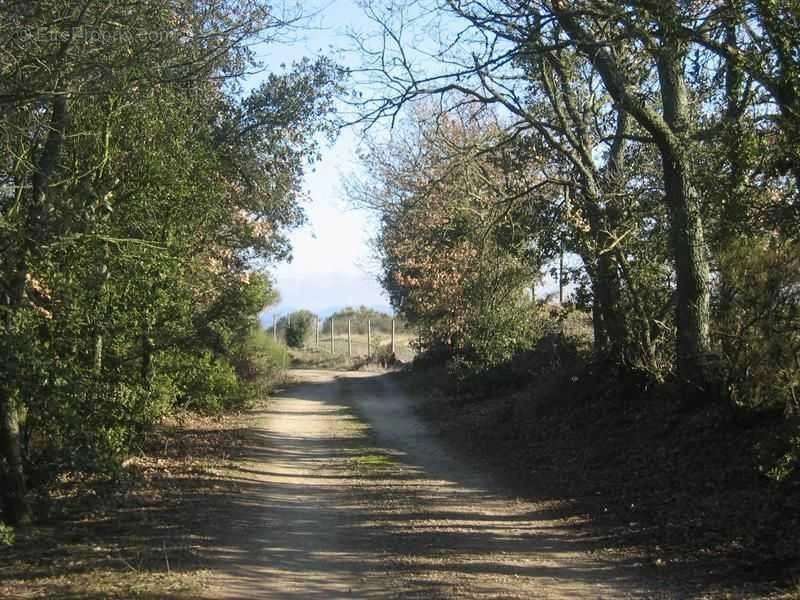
(132, 535)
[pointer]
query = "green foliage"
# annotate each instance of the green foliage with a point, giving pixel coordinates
(456, 263)
(7, 537)
(786, 466)
(495, 336)
(260, 364)
(145, 191)
(359, 319)
(635, 166)
(203, 382)
(210, 382)
(758, 324)
(299, 326)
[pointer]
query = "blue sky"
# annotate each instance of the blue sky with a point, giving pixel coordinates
(332, 261)
(333, 266)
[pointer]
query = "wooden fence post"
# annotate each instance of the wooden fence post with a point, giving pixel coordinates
(369, 338)
(333, 343)
(393, 345)
(316, 334)
(349, 339)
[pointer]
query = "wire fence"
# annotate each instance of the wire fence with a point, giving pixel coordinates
(354, 339)
(360, 338)
(358, 347)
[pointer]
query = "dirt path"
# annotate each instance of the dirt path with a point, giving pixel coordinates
(345, 493)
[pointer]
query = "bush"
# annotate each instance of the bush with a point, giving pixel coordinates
(89, 425)
(384, 356)
(758, 323)
(260, 364)
(493, 337)
(380, 322)
(203, 381)
(299, 328)
(6, 535)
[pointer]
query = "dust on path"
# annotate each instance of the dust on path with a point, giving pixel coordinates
(345, 493)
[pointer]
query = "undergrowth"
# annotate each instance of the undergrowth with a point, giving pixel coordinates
(711, 493)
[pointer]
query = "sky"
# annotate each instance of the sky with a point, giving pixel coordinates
(332, 265)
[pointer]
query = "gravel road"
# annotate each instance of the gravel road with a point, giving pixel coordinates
(346, 493)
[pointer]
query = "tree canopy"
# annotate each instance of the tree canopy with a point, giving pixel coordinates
(139, 187)
(651, 140)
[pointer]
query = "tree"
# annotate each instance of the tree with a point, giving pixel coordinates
(137, 188)
(756, 41)
(455, 259)
(671, 128)
(299, 325)
(640, 54)
(561, 113)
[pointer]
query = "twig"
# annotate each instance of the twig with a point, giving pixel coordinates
(127, 564)
(166, 557)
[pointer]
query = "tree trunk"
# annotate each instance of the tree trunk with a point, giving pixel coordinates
(608, 292)
(607, 317)
(15, 506)
(598, 328)
(146, 367)
(670, 130)
(598, 325)
(608, 322)
(692, 272)
(695, 359)
(639, 325)
(98, 354)
(734, 211)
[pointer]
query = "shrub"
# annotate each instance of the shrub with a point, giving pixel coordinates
(494, 336)
(6, 535)
(384, 356)
(260, 364)
(203, 381)
(299, 328)
(758, 323)
(89, 425)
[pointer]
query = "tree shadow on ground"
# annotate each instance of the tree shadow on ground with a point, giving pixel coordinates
(298, 516)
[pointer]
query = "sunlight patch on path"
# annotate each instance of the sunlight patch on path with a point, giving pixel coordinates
(345, 493)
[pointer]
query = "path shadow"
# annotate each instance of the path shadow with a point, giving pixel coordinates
(301, 517)
(421, 526)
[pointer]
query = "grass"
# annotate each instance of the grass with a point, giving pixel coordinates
(360, 347)
(372, 462)
(317, 359)
(312, 357)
